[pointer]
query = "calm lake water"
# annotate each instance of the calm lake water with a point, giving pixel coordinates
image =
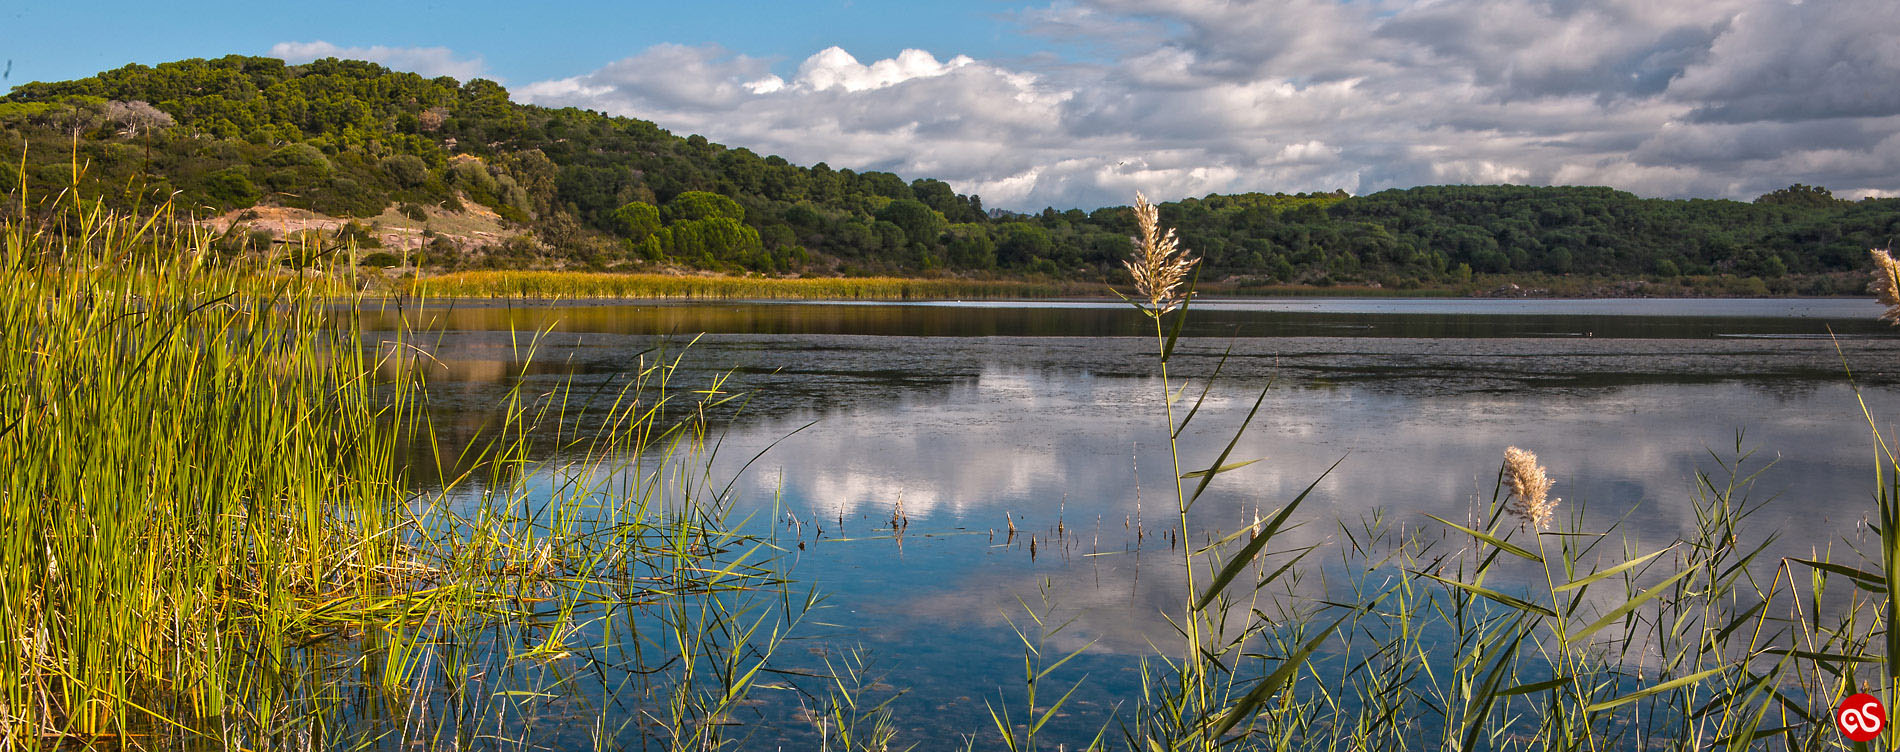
(1049, 416)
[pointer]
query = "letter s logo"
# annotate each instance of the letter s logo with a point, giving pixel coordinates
(1861, 717)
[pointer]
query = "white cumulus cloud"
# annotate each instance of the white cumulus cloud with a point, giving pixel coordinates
(835, 68)
(427, 61)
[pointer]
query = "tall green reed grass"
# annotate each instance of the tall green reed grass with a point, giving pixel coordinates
(207, 539)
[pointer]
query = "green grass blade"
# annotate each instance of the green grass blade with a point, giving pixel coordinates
(1207, 476)
(1628, 606)
(1863, 579)
(1608, 573)
(1221, 469)
(1487, 693)
(1654, 689)
(1207, 385)
(1255, 697)
(1180, 317)
(1238, 562)
(1506, 546)
(1487, 593)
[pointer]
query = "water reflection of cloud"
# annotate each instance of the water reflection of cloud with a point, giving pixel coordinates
(952, 458)
(1020, 442)
(1024, 443)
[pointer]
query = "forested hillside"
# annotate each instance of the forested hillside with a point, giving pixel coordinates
(578, 189)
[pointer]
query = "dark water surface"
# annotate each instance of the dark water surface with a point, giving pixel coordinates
(1049, 416)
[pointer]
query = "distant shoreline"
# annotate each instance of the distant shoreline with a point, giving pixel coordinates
(588, 285)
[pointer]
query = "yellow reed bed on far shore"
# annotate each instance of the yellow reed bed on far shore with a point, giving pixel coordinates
(563, 284)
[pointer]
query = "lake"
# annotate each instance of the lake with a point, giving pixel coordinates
(961, 421)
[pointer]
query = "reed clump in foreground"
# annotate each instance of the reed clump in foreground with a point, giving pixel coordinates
(1538, 635)
(207, 539)
(546, 284)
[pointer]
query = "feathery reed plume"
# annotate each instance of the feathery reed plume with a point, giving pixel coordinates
(1530, 488)
(1886, 284)
(1159, 265)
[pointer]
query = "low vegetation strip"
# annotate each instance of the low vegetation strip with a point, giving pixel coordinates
(532, 284)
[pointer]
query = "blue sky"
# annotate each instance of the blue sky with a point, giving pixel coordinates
(1082, 102)
(517, 42)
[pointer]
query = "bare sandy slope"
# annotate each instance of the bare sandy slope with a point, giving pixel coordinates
(473, 227)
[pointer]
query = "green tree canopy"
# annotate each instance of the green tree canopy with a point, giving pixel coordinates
(408, 170)
(715, 240)
(636, 220)
(920, 223)
(696, 205)
(1798, 195)
(1021, 242)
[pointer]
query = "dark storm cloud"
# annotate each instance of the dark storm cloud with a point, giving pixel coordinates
(1800, 61)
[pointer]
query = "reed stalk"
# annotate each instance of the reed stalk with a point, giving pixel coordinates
(1216, 693)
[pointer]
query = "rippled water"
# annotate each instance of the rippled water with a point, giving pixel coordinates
(1049, 417)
